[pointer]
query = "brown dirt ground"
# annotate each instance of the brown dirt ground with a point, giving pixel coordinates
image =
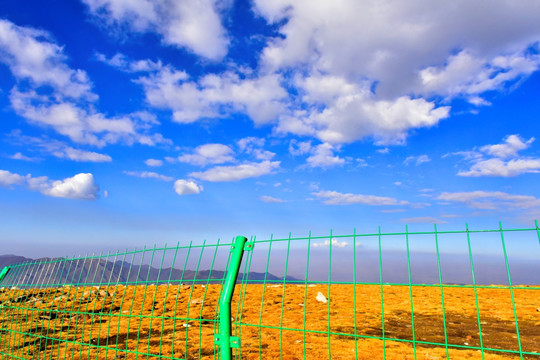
(149, 322)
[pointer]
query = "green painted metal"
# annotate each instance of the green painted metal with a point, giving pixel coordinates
(4, 272)
(180, 302)
(224, 339)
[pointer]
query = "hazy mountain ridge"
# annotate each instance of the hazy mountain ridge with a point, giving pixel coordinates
(51, 271)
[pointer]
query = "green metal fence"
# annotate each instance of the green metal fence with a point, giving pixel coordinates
(387, 295)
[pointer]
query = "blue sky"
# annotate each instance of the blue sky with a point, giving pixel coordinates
(126, 123)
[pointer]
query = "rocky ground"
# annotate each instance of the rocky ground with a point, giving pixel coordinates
(291, 322)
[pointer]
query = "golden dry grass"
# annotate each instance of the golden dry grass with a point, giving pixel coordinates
(171, 321)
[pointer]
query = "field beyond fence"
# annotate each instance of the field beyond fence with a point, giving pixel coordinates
(469, 294)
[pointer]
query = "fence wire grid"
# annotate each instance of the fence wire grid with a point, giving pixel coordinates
(404, 295)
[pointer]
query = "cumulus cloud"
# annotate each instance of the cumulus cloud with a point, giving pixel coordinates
(379, 83)
(351, 112)
(399, 72)
(491, 200)
(335, 243)
(271, 199)
(393, 43)
(209, 154)
(505, 160)
(254, 146)
(8, 179)
(337, 198)
(323, 156)
(417, 160)
(498, 167)
(187, 187)
(193, 25)
(81, 155)
(31, 55)
(148, 174)
(153, 162)
(85, 126)
(237, 172)
(387, 122)
(49, 93)
(468, 75)
(80, 186)
(123, 63)
(20, 156)
(509, 148)
(299, 147)
(56, 148)
(215, 95)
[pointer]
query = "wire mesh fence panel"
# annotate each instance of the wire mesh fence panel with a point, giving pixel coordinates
(150, 303)
(468, 294)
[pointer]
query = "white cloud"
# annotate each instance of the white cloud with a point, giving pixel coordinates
(391, 211)
(393, 42)
(236, 172)
(123, 63)
(81, 155)
(31, 55)
(8, 179)
(468, 75)
(80, 186)
(55, 96)
(499, 164)
(20, 156)
(187, 187)
(335, 243)
(337, 198)
(512, 144)
(209, 154)
(417, 160)
(491, 200)
(85, 126)
(153, 162)
(148, 174)
(254, 146)
(385, 80)
(271, 199)
(299, 147)
(348, 118)
(249, 143)
(194, 25)
(382, 83)
(498, 167)
(322, 156)
(215, 95)
(57, 149)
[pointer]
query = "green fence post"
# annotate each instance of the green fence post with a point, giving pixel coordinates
(4, 272)
(224, 338)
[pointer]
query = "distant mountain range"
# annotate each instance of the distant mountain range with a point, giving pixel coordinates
(6, 260)
(47, 271)
(455, 269)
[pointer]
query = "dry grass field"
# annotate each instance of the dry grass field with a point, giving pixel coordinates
(149, 322)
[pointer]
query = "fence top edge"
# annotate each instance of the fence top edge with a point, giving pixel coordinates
(330, 236)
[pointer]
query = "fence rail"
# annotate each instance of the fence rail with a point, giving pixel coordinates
(422, 295)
